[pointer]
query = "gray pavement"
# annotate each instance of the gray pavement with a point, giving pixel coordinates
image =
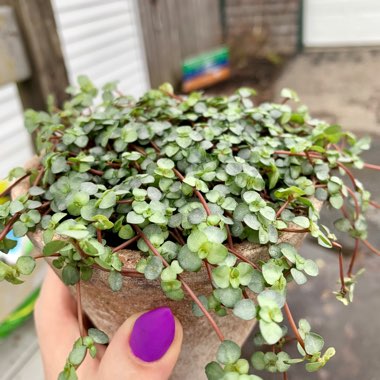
(341, 86)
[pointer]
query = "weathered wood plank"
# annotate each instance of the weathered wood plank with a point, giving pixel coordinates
(14, 65)
(174, 30)
(48, 71)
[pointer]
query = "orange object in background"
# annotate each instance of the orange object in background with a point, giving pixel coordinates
(206, 69)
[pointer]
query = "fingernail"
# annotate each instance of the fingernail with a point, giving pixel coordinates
(152, 334)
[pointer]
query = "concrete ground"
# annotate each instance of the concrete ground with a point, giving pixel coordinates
(341, 86)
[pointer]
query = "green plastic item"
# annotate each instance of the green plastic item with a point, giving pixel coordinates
(19, 315)
(22, 312)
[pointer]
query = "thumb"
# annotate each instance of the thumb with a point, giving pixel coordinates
(146, 347)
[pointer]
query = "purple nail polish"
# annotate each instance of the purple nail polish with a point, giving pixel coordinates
(152, 334)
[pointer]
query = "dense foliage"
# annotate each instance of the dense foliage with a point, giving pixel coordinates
(183, 179)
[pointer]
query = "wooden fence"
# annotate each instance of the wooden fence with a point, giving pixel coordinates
(176, 29)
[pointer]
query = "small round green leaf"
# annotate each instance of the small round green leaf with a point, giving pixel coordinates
(115, 280)
(245, 309)
(271, 331)
(228, 352)
(98, 336)
(77, 355)
(25, 264)
(313, 343)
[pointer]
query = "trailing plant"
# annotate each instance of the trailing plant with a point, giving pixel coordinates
(183, 180)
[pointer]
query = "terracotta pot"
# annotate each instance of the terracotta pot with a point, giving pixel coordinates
(108, 310)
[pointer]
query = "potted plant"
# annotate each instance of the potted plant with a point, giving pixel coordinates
(196, 202)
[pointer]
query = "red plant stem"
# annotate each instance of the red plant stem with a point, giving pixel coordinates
(9, 225)
(284, 376)
(10, 187)
(114, 165)
(46, 211)
(353, 258)
(204, 310)
(179, 236)
(39, 176)
(136, 166)
(174, 236)
(354, 197)
(371, 247)
(371, 166)
(138, 149)
(46, 257)
(80, 311)
(348, 172)
(309, 158)
(293, 325)
(299, 154)
(184, 284)
(283, 207)
(123, 272)
(242, 258)
(374, 204)
(295, 230)
(99, 235)
(126, 243)
(345, 214)
(341, 270)
(208, 269)
(96, 172)
(336, 147)
(93, 171)
(125, 201)
(155, 147)
(131, 273)
(229, 237)
(197, 193)
(43, 205)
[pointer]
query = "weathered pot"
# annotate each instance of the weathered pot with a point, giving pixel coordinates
(108, 310)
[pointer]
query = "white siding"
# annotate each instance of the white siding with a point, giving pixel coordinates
(102, 39)
(15, 141)
(341, 22)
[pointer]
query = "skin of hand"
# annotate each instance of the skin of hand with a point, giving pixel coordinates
(57, 329)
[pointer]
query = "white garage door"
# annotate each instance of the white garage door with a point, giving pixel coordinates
(102, 39)
(15, 141)
(341, 22)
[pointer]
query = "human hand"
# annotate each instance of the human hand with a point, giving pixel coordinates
(146, 346)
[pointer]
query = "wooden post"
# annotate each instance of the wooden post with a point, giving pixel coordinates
(48, 71)
(174, 30)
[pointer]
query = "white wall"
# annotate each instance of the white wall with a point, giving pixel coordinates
(102, 39)
(15, 142)
(341, 22)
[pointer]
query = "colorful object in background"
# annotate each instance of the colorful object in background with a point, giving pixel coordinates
(205, 69)
(3, 185)
(19, 315)
(26, 298)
